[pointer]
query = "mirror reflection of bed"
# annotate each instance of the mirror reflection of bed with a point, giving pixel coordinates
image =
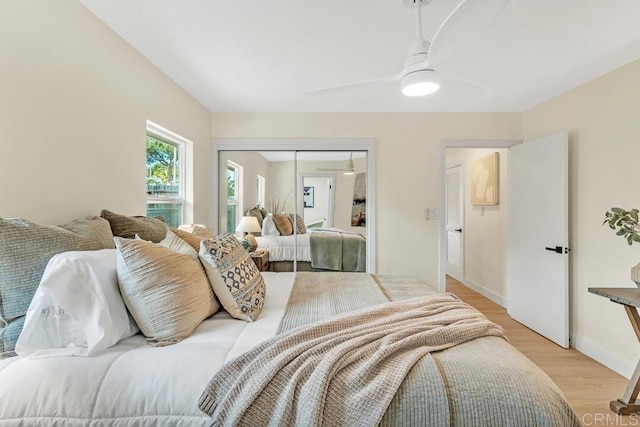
(310, 205)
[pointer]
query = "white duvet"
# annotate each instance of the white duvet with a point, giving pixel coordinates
(132, 383)
(281, 248)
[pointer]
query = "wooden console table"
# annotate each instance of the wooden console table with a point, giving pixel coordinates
(630, 299)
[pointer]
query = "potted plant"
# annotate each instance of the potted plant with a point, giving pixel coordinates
(626, 225)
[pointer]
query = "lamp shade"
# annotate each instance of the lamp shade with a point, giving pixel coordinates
(249, 224)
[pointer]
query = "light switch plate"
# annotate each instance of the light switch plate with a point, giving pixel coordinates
(435, 213)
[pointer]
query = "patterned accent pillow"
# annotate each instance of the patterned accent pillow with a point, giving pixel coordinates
(283, 224)
(234, 277)
(299, 222)
(153, 229)
(25, 250)
(166, 292)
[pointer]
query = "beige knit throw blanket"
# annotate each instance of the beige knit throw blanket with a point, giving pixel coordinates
(343, 371)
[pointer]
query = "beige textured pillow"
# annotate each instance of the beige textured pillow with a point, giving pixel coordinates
(153, 229)
(283, 224)
(25, 250)
(177, 244)
(191, 239)
(234, 277)
(299, 222)
(167, 293)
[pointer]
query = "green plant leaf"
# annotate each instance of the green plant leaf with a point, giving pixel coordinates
(617, 210)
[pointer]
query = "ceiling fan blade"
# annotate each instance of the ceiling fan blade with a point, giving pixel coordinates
(353, 85)
(462, 24)
(469, 82)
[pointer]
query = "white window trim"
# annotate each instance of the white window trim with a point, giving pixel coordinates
(166, 135)
(261, 183)
(239, 170)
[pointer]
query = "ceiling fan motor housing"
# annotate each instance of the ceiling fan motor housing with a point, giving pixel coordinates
(420, 83)
(412, 3)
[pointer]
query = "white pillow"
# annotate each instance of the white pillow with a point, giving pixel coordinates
(77, 309)
(269, 227)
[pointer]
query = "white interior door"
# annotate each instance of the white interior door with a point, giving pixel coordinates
(317, 204)
(454, 221)
(538, 257)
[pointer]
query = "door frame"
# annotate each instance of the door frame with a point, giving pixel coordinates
(305, 144)
(442, 234)
(461, 184)
(332, 195)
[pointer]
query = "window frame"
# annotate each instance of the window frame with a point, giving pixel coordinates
(237, 202)
(170, 138)
(261, 190)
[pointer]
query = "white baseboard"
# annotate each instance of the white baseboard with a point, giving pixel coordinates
(603, 356)
(501, 301)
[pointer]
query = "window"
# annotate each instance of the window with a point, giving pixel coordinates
(234, 195)
(165, 175)
(261, 185)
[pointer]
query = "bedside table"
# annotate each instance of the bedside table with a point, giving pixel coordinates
(629, 298)
(261, 259)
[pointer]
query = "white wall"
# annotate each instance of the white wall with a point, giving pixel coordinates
(603, 121)
(485, 228)
(74, 100)
(407, 167)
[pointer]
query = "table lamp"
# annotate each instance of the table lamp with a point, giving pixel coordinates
(248, 225)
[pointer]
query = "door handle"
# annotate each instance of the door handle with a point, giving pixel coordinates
(558, 249)
(459, 230)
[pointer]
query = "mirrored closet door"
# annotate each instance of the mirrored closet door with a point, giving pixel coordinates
(297, 210)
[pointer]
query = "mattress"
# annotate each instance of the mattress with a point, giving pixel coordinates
(81, 390)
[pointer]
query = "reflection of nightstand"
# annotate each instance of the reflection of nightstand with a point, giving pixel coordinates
(261, 258)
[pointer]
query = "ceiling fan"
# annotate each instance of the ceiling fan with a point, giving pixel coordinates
(348, 168)
(419, 76)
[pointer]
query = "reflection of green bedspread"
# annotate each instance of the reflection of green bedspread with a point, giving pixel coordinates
(338, 251)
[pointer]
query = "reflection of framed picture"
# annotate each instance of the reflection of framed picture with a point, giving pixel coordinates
(307, 197)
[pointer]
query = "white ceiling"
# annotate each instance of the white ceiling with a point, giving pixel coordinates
(263, 56)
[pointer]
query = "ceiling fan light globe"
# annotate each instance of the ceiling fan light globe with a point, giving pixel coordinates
(420, 83)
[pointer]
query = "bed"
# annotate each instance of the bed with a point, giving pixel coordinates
(315, 250)
(484, 381)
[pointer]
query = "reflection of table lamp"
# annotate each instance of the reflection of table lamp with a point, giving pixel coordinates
(248, 225)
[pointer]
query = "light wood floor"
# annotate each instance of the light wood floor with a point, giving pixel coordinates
(587, 385)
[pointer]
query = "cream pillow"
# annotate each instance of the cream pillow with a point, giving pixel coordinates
(167, 293)
(234, 277)
(269, 227)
